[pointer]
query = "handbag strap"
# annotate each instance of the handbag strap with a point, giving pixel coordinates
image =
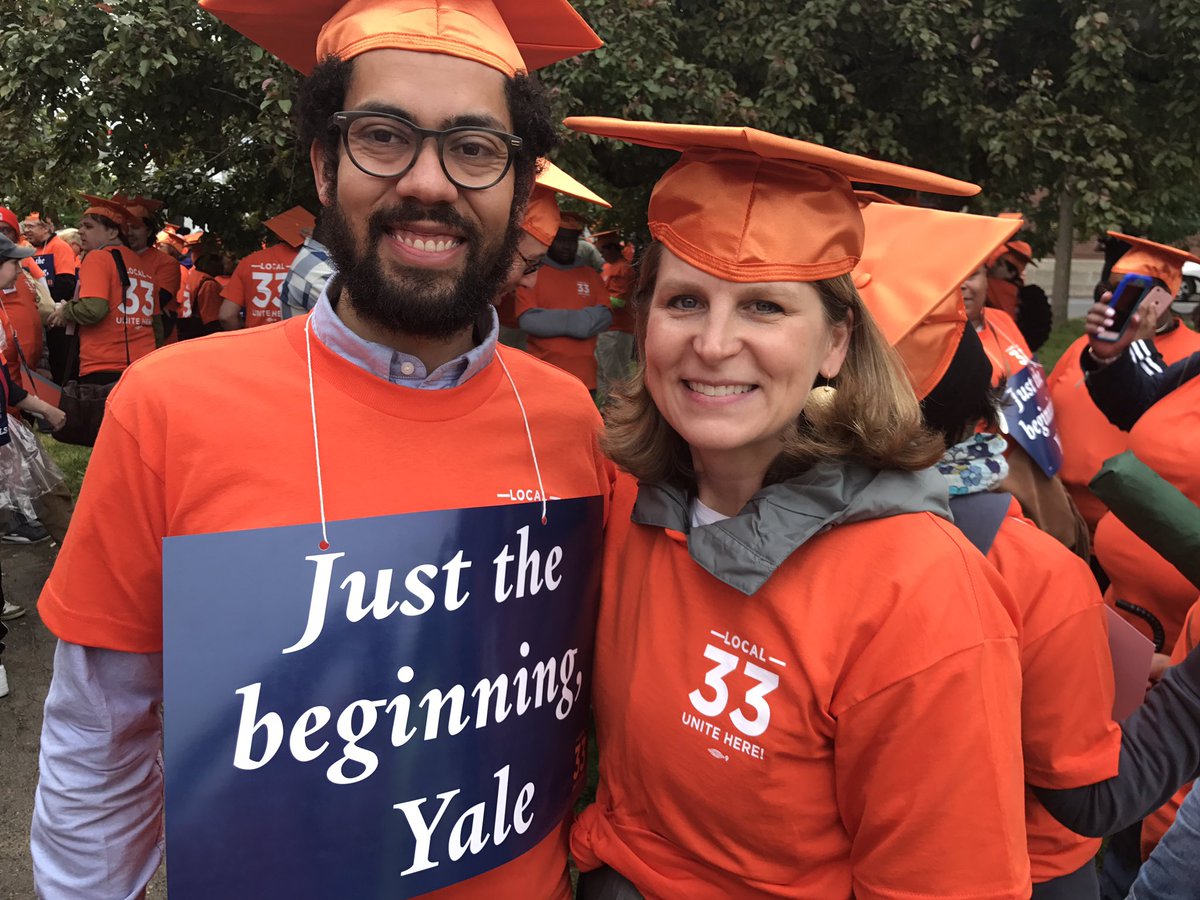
(123, 274)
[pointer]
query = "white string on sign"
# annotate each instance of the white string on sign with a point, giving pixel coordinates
(528, 434)
(312, 405)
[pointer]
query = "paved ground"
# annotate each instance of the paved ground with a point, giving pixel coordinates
(28, 659)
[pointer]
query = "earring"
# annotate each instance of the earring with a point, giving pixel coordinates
(819, 406)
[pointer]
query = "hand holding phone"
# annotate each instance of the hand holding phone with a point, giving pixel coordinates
(1123, 303)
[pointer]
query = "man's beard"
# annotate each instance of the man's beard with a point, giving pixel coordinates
(416, 301)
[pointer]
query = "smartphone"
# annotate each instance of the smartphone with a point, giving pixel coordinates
(1124, 302)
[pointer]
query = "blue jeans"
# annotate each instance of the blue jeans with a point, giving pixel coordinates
(1173, 870)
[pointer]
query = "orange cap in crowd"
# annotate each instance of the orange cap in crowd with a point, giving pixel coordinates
(1155, 260)
(509, 35)
(9, 218)
(102, 206)
(293, 225)
(601, 238)
(913, 294)
(745, 205)
(139, 206)
(35, 218)
(170, 235)
(542, 215)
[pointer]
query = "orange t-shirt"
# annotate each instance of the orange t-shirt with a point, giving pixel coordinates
(1003, 343)
(852, 729)
(31, 266)
(1067, 732)
(165, 270)
(8, 346)
(20, 302)
(506, 310)
(126, 333)
(619, 279)
(200, 296)
(161, 468)
(56, 257)
(575, 288)
(1088, 438)
(1155, 825)
(257, 281)
(1164, 438)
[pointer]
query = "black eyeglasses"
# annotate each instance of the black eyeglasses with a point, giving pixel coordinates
(387, 146)
(531, 265)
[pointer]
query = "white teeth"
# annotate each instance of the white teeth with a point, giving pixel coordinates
(718, 390)
(428, 246)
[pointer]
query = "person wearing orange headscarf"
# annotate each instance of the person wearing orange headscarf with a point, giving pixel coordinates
(788, 686)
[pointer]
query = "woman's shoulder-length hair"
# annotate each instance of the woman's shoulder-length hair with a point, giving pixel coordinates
(874, 418)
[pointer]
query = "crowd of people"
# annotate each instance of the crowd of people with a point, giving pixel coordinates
(850, 606)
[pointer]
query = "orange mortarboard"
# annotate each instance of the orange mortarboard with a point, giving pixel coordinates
(509, 35)
(101, 206)
(141, 207)
(293, 225)
(600, 238)
(192, 238)
(913, 294)
(746, 205)
(542, 215)
(34, 218)
(1156, 260)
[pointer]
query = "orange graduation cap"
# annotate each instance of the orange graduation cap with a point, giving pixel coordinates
(34, 218)
(746, 205)
(102, 206)
(1155, 260)
(909, 276)
(139, 206)
(542, 216)
(293, 225)
(509, 35)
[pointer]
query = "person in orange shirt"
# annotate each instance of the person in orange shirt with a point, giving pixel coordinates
(117, 314)
(542, 220)
(1068, 737)
(21, 306)
(425, 428)
(251, 296)
(1033, 462)
(566, 308)
(1138, 576)
(792, 698)
(1026, 304)
(1088, 438)
(615, 347)
(164, 269)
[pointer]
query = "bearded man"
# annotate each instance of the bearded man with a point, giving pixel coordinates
(403, 429)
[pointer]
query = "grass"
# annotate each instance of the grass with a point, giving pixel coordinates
(71, 459)
(1060, 339)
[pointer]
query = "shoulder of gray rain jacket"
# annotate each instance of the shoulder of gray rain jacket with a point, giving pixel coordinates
(745, 550)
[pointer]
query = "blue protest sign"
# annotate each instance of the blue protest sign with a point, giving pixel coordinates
(1027, 416)
(45, 262)
(395, 714)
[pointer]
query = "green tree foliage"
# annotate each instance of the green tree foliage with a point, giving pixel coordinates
(146, 96)
(1026, 97)
(1030, 98)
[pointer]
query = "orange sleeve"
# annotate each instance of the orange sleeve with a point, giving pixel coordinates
(120, 518)
(924, 823)
(98, 276)
(65, 260)
(1066, 705)
(239, 287)
(35, 270)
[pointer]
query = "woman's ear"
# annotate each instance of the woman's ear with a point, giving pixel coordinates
(838, 347)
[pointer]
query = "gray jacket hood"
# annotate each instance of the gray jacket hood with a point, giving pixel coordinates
(744, 551)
